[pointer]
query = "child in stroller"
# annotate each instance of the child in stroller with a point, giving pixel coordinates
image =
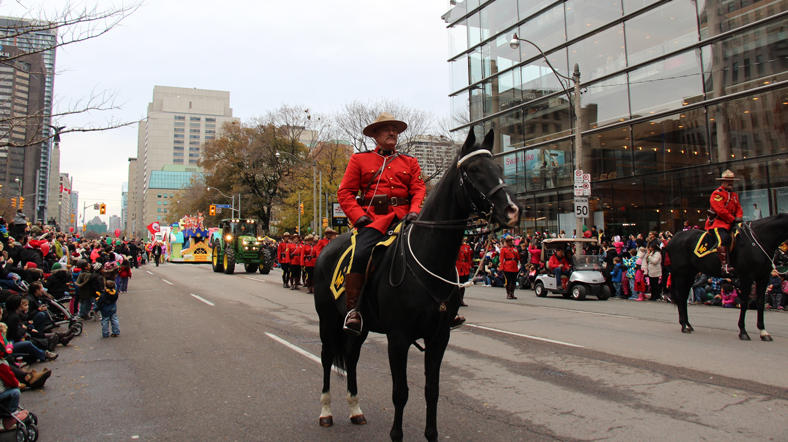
(15, 418)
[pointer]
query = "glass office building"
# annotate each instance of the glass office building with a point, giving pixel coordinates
(672, 94)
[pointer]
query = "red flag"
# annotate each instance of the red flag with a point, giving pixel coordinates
(61, 188)
(154, 228)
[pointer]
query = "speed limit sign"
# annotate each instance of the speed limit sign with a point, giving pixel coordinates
(581, 207)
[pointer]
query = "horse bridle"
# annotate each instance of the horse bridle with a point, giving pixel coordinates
(746, 228)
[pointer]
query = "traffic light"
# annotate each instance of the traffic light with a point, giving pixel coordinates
(103, 209)
(302, 208)
(212, 210)
(22, 202)
(296, 229)
(72, 218)
(325, 222)
(13, 203)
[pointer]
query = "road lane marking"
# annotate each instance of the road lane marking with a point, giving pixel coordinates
(301, 351)
(149, 272)
(588, 313)
(536, 338)
(260, 280)
(204, 300)
(168, 282)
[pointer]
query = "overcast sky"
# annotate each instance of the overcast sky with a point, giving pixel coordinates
(317, 53)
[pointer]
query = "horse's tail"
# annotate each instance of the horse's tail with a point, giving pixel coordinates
(341, 346)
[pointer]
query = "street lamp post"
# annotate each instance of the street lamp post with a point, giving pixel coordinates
(514, 43)
(233, 209)
(315, 210)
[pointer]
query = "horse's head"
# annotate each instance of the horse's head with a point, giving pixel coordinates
(482, 181)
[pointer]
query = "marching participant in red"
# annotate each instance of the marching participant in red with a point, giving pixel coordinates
(328, 235)
(309, 263)
(725, 211)
(389, 188)
(464, 262)
(294, 251)
(510, 258)
(284, 259)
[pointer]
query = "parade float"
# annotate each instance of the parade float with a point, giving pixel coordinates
(188, 239)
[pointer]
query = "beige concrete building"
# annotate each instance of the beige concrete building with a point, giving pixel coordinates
(179, 120)
(131, 226)
(434, 154)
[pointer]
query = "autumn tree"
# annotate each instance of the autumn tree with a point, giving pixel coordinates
(354, 116)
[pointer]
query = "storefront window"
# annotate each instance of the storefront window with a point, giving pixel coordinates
(671, 142)
(667, 84)
(548, 166)
(665, 29)
(584, 16)
(600, 54)
(605, 102)
(746, 60)
(608, 155)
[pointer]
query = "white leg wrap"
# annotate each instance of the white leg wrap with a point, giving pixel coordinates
(325, 401)
(764, 333)
(355, 410)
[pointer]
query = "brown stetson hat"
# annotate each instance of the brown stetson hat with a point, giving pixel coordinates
(728, 175)
(382, 119)
(329, 230)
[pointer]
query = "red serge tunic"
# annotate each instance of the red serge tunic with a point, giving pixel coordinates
(401, 179)
(464, 259)
(281, 253)
(294, 254)
(308, 255)
(320, 244)
(509, 259)
(727, 206)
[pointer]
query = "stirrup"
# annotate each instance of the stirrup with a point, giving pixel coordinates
(350, 331)
(459, 324)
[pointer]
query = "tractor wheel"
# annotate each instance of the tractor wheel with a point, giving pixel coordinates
(217, 264)
(266, 261)
(250, 268)
(229, 261)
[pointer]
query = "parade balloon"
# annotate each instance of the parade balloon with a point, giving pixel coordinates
(45, 249)
(117, 233)
(71, 229)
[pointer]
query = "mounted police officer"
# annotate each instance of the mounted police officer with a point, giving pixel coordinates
(725, 211)
(380, 188)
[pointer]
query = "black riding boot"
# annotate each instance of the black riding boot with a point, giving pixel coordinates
(285, 278)
(353, 285)
(462, 297)
(727, 269)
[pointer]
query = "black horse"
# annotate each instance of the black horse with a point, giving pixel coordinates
(413, 293)
(752, 257)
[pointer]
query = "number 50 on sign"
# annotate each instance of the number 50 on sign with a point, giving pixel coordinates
(581, 207)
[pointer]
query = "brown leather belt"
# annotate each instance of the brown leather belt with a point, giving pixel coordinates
(393, 201)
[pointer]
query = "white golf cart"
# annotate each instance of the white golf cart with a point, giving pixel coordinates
(586, 277)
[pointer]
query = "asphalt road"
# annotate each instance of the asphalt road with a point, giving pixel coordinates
(205, 357)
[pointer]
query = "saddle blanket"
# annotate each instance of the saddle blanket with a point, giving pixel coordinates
(707, 244)
(346, 260)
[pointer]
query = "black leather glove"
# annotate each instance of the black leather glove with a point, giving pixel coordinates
(362, 222)
(737, 220)
(411, 216)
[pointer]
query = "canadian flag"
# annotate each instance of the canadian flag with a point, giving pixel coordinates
(63, 189)
(154, 227)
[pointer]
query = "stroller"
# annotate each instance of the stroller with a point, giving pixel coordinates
(59, 315)
(26, 429)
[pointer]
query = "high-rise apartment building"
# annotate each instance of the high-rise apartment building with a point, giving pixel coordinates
(179, 120)
(131, 226)
(673, 92)
(37, 41)
(434, 154)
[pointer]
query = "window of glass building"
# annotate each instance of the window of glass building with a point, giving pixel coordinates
(633, 5)
(527, 8)
(476, 103)
(608, 155)
(718, 17)
(475, 66)
(665, 29)
(460, 107)
(498, 15)
(497, 55)
(584, 16)
(746, 60)
(503, 91)
(547, 119)
(459, 73)
(667, 84)
(458, 38)
(749, 127)
(600, 54)
(605, 102)
(671, 142)
(547, 30)
(538, 80)
(474, 30)
(548, 166)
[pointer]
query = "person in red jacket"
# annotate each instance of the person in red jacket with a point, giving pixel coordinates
(294, 255)
(284, 259)
(464, 262)
(308, 256)
(379, 188)
(510, 258)
(725, 211)
(559, 265)
(328, 235)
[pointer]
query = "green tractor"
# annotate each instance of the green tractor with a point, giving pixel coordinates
(239, 242)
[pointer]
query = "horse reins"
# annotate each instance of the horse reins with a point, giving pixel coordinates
(748, 227)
